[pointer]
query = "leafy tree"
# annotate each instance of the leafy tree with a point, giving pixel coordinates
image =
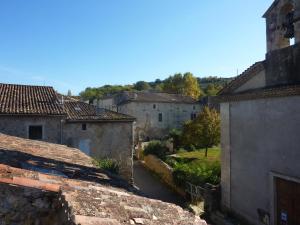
(213, 89)
(185, 84)
(191, 87)
(141, 86)
(204, 131)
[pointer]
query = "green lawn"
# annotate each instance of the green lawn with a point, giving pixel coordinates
(195, 168)
(213, 155)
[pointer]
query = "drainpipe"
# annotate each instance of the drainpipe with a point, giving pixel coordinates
(61, 130)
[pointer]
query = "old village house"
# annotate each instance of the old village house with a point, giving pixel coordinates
(156, 113)
(39, 113)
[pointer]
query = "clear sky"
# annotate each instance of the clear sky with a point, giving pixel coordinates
(73, 44)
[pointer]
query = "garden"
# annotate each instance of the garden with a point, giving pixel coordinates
(196, 155)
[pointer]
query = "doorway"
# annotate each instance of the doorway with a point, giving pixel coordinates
(287, 202)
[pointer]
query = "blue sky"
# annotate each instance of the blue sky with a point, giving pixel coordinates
(72, 44)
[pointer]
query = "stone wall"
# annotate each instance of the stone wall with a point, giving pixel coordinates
(18, 126)
(103, 140)
(23, 205)
(147, 124)
(283, 67)
(164, 171)
(260, 138)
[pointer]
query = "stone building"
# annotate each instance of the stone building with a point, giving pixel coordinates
(39, 113)
(156, 113)
(49, 184)
(260, 126)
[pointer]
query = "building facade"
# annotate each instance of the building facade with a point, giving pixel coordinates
(260, 125)
(156, 113)
(39, 113)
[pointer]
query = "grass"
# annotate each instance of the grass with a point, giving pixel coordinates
(213, 155)
(194, 167)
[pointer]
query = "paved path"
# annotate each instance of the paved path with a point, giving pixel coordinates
(150, 185)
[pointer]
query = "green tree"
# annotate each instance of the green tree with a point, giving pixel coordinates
(141, 86)
(185, 84)
(212, 89)
(204, 131)
(190, 86)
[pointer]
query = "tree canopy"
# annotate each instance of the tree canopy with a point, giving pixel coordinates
(185, 84)
(204, 131)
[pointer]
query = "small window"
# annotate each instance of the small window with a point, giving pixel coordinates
(35, 132)
(154, 106)
(193, 116)
(160, 117)
(83, 126)
(194, 107)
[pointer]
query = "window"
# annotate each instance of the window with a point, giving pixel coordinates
(193, 116)
(194, 107)
(35, 132)
(154, 106)
(83, 126)
(160, 117)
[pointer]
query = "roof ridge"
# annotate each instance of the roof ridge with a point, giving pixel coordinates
(26, 85)
(243, 77)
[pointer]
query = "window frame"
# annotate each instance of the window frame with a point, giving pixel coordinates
(160, 117)
(36, 125)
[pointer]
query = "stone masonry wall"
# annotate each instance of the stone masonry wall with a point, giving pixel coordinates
(147, 124)
(28, 206)
(18, 126)
(104, 140)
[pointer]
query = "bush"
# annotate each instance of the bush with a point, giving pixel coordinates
(156, 148)
(197, 174)
(108, 165)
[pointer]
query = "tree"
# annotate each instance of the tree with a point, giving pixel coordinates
(190, 86)
(185, 84)
(212, 89)
(141, 86)
(204, 131)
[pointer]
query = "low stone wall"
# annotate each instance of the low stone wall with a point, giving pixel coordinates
(23, 205)
(164, 171)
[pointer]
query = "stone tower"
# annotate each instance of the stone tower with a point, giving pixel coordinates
(283, 24)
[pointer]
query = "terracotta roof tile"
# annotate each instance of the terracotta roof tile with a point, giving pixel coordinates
(80, 111)
(85, 202)
(25, 99)
(243, 78)
(158, 97)
(273, 92)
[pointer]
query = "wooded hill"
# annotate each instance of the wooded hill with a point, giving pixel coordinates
(186, 84)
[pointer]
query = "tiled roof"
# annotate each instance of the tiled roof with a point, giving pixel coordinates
(280, 91)
(243, 78)
(86, 201)
(25, 99)
(158, 97)
(80, 111)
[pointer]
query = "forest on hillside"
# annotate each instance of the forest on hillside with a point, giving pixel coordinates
(185, 84)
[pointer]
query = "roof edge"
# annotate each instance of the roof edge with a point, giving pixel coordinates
(273, 92)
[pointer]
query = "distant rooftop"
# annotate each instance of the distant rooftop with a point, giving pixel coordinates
(91, 195)
(80, 111)
(158, 97)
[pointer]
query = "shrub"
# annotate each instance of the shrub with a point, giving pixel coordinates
(156, 148)
(197, 174)
(108, 165)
